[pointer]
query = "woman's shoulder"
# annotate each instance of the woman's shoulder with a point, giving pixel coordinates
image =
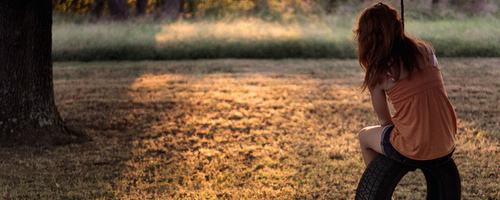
(429, 59)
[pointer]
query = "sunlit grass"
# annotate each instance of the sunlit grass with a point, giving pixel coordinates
(255, 136)
(236, 129)
(256, 38)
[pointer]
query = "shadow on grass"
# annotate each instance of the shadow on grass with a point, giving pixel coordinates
(241, 129)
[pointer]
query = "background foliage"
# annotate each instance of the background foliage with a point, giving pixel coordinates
(283, 8)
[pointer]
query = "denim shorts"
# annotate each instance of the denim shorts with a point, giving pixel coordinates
(392, 153)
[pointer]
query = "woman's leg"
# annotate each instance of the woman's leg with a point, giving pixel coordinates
(369, 139)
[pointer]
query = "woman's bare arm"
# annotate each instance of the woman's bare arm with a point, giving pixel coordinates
(379, 103)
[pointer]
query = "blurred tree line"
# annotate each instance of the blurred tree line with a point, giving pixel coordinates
(174, 9)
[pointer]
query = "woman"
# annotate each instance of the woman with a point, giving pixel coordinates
(405, 70)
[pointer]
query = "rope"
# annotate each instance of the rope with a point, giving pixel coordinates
(403, 14)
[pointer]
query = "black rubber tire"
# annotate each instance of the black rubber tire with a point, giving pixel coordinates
(383, 175)
(443, 181)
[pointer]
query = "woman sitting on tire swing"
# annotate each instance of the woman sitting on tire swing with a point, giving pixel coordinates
(406, 70)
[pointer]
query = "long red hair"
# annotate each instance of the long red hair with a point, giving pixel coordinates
(383, 45)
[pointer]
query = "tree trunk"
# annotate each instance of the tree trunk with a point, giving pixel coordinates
(140, 7)
(97, 8)
(190, 8)
(118, 9)
(330, 6)
(28, 114)
(480, 6)
(170, 9)
(435, 4)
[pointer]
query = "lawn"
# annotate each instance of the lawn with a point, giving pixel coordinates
(236, 129)
(330, 37)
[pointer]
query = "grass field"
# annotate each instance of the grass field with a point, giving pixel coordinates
(236, 129)
(254, 38)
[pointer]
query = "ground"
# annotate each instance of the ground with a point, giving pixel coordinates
(236, 129)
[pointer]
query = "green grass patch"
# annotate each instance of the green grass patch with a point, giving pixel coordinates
(255, 38)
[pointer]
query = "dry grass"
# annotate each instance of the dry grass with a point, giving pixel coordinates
(236, 129)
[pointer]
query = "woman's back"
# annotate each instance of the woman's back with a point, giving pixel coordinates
(425, 122)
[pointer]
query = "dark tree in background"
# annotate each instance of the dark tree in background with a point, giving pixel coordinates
(97, 8)
(140, 7)
(173, 9)
(169, 9)
(118, 9)
(330, 6)
(189, 7)
(28, 114)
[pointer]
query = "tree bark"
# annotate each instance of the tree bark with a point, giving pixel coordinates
(118, 9)
(140, 7)
(28, 114)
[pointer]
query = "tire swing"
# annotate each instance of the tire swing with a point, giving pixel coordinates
(383, 174)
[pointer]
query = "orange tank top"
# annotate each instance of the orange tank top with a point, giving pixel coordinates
(425, 121)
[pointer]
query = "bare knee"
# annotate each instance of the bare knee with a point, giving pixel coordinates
(362, 135)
